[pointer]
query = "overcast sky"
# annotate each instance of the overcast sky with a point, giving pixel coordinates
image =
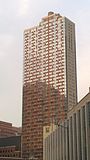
(17, 15)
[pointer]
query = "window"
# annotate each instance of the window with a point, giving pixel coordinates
(47, 129)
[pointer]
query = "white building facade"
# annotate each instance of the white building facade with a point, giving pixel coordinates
(71, 139)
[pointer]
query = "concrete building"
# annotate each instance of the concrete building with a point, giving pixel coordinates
(55, 143)
(71, 139)
(7, 130)
(79, 130)
(50, 83)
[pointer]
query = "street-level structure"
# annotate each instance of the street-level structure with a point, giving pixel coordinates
(71, 139)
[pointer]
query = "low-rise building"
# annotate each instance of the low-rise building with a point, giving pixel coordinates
(11, 158)
(7, 129)
(79, 130)
(10, 147)
(71, 139)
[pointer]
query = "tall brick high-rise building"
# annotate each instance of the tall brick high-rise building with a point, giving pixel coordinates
(50, 83)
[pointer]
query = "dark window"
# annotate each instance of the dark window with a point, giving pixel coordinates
(89, 113)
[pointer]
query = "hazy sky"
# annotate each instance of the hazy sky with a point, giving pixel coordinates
(15, 16)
